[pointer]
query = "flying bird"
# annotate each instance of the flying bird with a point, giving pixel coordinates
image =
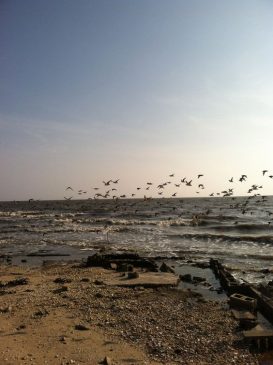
(200, 175)
(107, 183)
(69, 188)
(264, 172)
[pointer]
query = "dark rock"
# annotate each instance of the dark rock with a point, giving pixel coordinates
(98, 282)
(61, 290)
(106, 361)
(133, 275)
(62, 280)
(166, 268)
(81, 327)
(122, 267)
(98, 260)
(19, 281)
(21, 327)
(186, 277)
(85, 280)
(41, 313)
(99, 295)
(107, 260)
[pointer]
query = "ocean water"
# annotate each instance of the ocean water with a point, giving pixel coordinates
(236, 230)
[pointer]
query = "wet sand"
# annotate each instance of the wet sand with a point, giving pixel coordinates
(81, 320)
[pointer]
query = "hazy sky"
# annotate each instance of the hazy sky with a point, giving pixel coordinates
(136, 90)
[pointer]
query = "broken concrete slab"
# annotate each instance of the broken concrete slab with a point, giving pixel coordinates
(240, 301)
(243, 315)
(246, 319)
(147, 280)
(258, 331)
(259, 337)
(133, 259)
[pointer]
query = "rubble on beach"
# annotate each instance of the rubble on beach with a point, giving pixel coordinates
(59, 313)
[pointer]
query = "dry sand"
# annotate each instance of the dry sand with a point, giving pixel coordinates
(38, 321)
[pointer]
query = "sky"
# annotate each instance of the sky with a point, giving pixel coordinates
(93, 90)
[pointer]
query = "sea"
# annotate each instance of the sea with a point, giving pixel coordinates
(236, 230)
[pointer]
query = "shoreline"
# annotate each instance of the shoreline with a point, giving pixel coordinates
(129, 325)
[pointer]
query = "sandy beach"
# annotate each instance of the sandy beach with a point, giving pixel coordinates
(64, 313)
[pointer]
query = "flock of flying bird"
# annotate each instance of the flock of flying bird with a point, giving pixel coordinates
(111, 191)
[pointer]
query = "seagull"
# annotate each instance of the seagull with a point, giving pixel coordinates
(243, 178)
(201, 186)
(68, 198)
(107, 183)
(188, 183)
(264, 172)
(174, 194)
(69, 188)
(172, 175)
(231, 180)
(116, 181)
(200, 175)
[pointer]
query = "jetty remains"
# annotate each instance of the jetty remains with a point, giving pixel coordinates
(245, 300)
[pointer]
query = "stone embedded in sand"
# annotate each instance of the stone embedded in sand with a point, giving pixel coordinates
(64, 288)
(107, 361)
(133, 275)
(99, 282)
(60, 280)
(19, 281)
(81, 327)
(6, 309)
(41, 313)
